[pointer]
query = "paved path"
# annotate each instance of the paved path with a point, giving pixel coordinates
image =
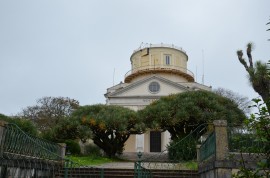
(118, 165)
(152, 165)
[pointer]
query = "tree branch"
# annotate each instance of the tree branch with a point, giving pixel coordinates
(249, 50)
(242, 60)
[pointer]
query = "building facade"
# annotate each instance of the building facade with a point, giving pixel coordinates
(156, 71)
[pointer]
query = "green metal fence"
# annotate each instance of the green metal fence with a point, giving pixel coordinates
(140, 171)
(17, 143)
(72, 169)
(208, 147)
(245, 141)
(23, 156)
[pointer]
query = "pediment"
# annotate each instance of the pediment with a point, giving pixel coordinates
(141, 88)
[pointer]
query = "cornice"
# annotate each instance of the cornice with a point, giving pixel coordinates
(154, 77)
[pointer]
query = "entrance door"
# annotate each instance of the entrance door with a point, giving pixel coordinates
(155, 141)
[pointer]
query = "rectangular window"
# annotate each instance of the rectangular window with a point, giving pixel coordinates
(167, 59)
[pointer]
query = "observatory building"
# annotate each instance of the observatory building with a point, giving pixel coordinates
(156, 70)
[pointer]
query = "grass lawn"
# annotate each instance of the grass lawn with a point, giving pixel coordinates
(92, 160)
(191, 165)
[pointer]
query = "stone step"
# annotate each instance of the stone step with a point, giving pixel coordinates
(127, 173)
(174, 173)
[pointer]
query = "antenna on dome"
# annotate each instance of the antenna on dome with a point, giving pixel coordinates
(141, 46)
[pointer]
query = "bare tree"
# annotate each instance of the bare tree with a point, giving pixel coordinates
(49, 110)
(242, 101)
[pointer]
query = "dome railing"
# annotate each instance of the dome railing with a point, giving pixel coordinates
(149, 45)
(159, 68)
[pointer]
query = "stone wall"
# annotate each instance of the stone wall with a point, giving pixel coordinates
(223, 164)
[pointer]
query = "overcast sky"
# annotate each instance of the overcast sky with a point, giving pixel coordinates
(70, 48)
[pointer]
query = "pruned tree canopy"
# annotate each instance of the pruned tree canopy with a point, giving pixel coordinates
(68, 129)
(111, 125)
(181, 113)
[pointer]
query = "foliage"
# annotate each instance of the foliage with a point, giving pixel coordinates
(182, 150)
(49, 110)
(181, 113)
(242, 101)
(244, 173)
(66, 129)
(258, 75)
(259, 124)
(3, 117)
(111, 125)
(26, 125)
(245, 142)
(92, 149)
(72, 147)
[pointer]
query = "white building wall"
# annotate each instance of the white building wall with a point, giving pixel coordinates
(165, 140)
(134, 94)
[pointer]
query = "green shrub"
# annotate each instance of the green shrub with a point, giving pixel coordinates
(247, 143)
(92, 149)
(182, 149)
(24, 124)
(49, 135)
(73, 147)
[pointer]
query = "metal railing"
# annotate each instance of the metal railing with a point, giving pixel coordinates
(242, 140)
(158, 67)
(23, 155)
(149, 45)
(208, 147)
(140, 171)
(17, 143)
(73, 169)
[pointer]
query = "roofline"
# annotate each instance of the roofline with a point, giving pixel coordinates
(161, 45)
(145, 80)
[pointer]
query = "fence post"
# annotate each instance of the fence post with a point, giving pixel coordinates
(102, 173)
(62, 160)
(139, 164)
(63, 150)
(222, 149)
(66, 166)
(2, 137)
(3, 171)
(198, 152)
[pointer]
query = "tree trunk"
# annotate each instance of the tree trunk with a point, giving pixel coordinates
(264, 93)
